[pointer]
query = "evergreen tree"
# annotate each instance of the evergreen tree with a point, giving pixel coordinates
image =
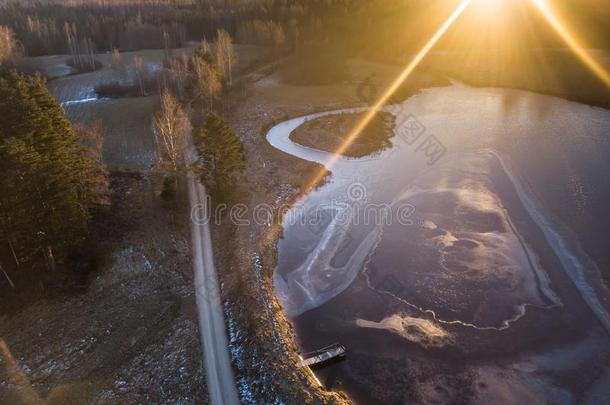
(47, 187)
(222, 157)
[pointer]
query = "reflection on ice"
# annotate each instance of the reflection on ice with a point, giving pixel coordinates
(483, 253)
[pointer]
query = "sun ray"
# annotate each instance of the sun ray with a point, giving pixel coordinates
(571, 41)
(353, 134)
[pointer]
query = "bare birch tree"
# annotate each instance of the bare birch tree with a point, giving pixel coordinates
(8, 44)
(206, 83)
(141, 73)
(70, 31)
(172, 127)
(179, 72)
(225, 55)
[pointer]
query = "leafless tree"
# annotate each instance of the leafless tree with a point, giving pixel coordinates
(141, 72)
(205, 46)
(116, 59)
(90, 53)
(8, 44)
(82, 51)
(73, 45)
(206, 83)
(225, 55)
(167, 48)
(172, 127)
(179, 72)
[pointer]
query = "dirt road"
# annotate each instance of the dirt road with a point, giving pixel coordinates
(221, 385)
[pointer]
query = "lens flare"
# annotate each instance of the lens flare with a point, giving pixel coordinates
(353, 134)
(571, 41)
(12, 370)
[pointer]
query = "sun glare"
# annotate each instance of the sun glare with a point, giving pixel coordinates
(353, 134)
(488, 7)
(570, 39)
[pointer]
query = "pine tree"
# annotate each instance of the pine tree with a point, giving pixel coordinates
(222, 157)
(46, 188)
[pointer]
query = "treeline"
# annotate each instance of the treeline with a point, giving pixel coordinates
(353, 25)
(53, 177)
(47, 29)
(391, 30)
(381, 29)
(44, 28)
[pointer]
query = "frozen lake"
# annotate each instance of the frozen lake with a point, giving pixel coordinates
(445, 261)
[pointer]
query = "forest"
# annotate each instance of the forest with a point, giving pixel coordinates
(352, 26)
(53, 177)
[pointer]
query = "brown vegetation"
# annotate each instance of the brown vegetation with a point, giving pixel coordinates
(8, 45)
(206, 85)
(225, 56)
(329, 133)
